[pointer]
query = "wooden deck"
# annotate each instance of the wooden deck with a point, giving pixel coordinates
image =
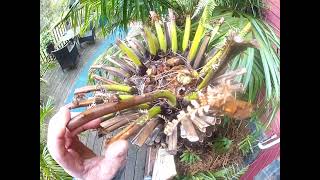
(60, 83)
(136, 157)
(59, 86)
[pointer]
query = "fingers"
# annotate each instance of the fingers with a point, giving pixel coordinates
(73, 114)
(90, 125)
(56, 132)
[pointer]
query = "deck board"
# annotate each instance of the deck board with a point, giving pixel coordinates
(59, 86)
(91, 139)
(140, 163)
(131, 162)
(60, 83)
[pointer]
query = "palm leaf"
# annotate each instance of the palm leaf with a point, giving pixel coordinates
(46, 109)
(49, 168)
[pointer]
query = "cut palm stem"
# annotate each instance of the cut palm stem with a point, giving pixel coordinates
(129, 52)
(122, 65)
(112, 70)
(117, 119)
(201, 52)
(84, 103)
(161, 37)
(152, 44)
(135, 126)
(143, 135)
(232, 40)
(103, 109)
(109, 87)
(186, 34)
(103, 80)
(173, 31)
(198, 36)
(121, 122)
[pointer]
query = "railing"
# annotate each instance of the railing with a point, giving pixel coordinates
(57, 32)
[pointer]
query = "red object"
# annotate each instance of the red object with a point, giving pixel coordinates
(266, 156)
(272, 14)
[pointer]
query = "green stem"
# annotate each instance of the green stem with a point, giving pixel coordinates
(191, 96)
(151, 113)
(140, 106)
(132, 56)
(150, 41)
(186, 34)
(173, 32)
(198, 36)
(119, 87)
(107, 108)
(166, 94)
(125, 96)
(206, 80)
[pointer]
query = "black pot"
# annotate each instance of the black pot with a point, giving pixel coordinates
(50, 47)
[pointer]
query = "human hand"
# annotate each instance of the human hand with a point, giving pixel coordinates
(77, 159)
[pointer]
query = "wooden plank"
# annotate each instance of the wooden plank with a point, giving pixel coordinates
(83, 137)
(140, 163)
(97, 144)
(131, 162)
(91, 137)
(59, 83)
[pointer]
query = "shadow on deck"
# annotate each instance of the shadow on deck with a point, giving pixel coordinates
(60, 85)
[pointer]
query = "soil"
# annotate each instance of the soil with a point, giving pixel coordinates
(211, 160)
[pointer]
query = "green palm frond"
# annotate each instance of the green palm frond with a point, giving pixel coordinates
(185, 7)
(110, 15)
(49, 169)
(262, 64)
(46, 109)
